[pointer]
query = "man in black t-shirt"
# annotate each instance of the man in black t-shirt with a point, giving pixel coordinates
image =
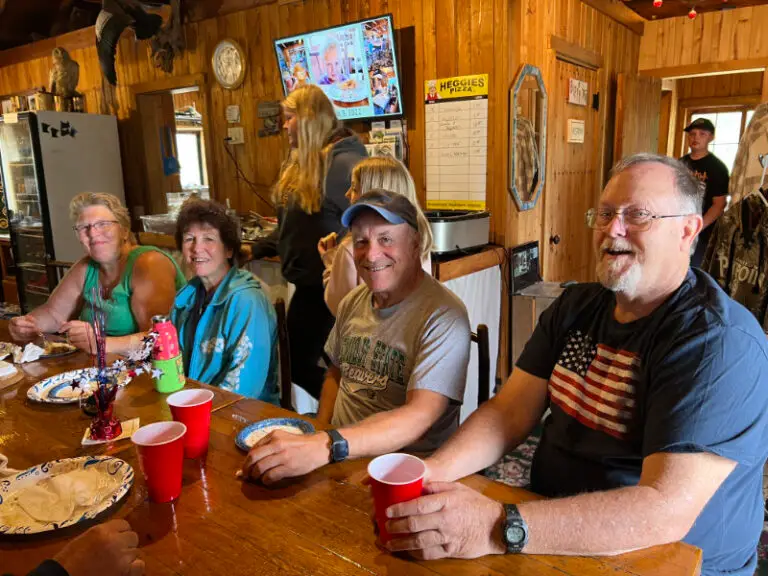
(657, 383)
(711, 171)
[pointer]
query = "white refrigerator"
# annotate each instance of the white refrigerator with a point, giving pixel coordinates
(47, 158)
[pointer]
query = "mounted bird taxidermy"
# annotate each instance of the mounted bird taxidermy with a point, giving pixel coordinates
(114, 18)
(64, 74)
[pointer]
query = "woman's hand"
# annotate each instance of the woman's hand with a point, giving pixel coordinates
(326, 246)
(23, 328)
(80, 334)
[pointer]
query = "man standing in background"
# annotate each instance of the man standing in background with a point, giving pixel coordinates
(711, 171)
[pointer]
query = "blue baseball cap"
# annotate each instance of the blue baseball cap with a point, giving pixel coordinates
(393, 207)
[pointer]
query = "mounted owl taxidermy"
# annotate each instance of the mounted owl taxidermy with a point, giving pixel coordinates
(64, 74)
(117, 15)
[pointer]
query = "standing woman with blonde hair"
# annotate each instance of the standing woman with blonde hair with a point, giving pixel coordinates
(310, 197)
(381, 172)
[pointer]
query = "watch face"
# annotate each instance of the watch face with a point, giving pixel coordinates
(515, 534)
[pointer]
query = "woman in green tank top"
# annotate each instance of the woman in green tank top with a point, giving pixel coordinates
(134, 282)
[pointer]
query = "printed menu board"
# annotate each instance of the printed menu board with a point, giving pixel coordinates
(457, 142)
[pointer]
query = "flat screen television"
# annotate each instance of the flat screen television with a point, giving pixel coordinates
(354, 64)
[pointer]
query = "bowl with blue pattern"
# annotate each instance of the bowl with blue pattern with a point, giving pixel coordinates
(252, 433)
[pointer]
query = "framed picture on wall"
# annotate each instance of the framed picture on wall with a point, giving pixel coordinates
(575, 131)
(578, 92)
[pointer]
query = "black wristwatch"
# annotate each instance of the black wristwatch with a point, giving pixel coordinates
(339, 446)
(514, 530)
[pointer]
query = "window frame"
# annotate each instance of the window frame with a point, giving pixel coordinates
(198, 131)
(715, 109)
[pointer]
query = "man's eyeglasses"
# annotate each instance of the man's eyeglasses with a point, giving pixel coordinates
(100, 226)
(635, 219)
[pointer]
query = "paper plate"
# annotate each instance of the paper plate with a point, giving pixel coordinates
(58, 389)
(245, 443)
(122, 478)
(59, 354)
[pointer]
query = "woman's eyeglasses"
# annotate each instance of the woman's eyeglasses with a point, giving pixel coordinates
(100, 226)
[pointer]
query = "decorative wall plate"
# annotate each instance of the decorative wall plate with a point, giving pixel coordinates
(229, 63)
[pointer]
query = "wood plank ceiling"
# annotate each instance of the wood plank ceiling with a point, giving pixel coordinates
(674, 8)
(25, 21)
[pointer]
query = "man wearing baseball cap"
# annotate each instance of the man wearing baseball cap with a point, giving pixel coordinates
(399, 352)
(711, 171)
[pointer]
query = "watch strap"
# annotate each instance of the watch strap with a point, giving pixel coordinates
(514, 530)
(339, 446)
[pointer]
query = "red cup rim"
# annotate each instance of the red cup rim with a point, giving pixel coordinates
(181, 430)
(403, 457)
(175, 402)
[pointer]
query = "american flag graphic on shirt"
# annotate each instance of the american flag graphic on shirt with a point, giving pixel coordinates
(595, 384)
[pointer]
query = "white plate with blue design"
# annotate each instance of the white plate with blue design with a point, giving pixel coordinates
(97, 483)
(59, 389)
(252, 433)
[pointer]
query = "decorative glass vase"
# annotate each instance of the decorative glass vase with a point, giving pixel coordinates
(104, 425)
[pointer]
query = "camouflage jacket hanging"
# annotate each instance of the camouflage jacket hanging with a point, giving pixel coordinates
(737, 257)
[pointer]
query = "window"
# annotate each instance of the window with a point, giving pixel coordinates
(729, 126)
(190, 159)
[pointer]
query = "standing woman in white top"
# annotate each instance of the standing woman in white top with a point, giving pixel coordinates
(381, 172)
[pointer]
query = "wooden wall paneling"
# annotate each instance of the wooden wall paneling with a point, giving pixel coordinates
(234, 26)
(742, 31)
(757, 39)
(573, 185)
(463, 38)
(727, 48)
(665, 119)
(732, 38)
(764, 91)
(445, 38)
(686, 40)
(638, 103)
(185, 99)
(484, 59)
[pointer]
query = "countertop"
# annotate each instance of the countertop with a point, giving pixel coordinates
(444, 268)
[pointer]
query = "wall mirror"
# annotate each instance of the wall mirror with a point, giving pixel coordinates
(527, 137)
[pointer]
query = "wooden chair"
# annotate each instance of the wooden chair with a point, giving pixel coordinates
(483, 363)
(57, 269)
(284, 355)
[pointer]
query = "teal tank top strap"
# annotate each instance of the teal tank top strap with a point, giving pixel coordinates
(120, 319)
(91, 279)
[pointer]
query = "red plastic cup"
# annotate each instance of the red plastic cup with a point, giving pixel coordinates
(395, 478)
(193, 409)
(161, 456)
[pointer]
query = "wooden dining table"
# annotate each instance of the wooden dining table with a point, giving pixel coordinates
(315, 525)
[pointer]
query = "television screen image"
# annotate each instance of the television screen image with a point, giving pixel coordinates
(354, 64)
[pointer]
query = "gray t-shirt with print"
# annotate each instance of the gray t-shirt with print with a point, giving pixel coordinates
(422, 343)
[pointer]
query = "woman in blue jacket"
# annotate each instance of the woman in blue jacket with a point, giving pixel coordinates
(226, 323)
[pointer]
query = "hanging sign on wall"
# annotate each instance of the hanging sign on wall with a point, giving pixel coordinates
(576, 131)
(457, 142)
(578, 92)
